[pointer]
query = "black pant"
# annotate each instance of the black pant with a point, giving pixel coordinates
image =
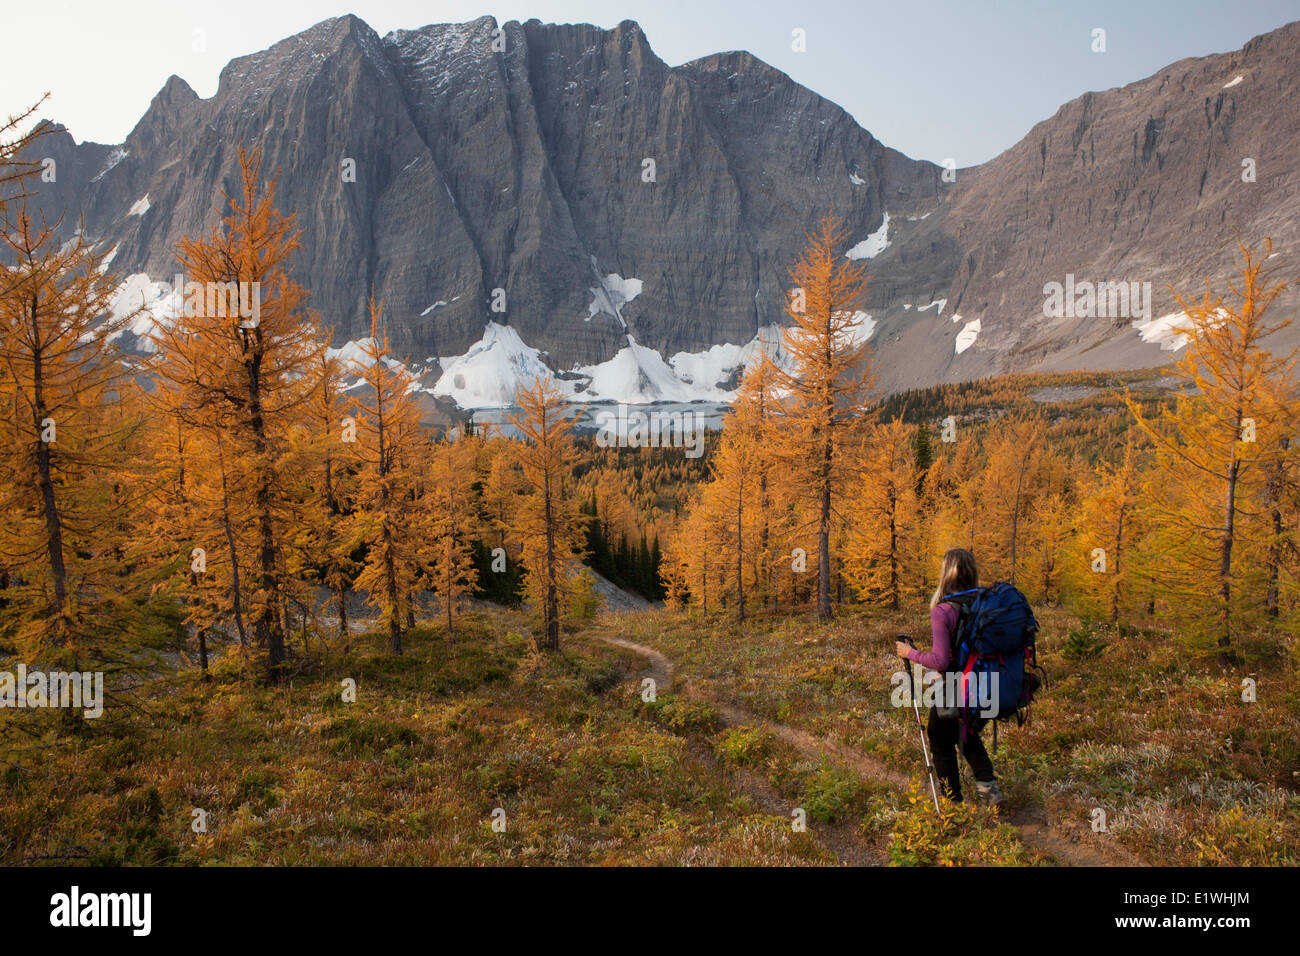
(945, 734)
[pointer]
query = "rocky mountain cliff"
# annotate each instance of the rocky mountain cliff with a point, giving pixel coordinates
(1143, 183)
(640, 218)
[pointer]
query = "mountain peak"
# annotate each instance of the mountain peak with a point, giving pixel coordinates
(175, 92)
(479, 26)
(302, 53)
(613, 199)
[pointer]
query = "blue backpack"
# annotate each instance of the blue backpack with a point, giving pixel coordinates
(994, 648)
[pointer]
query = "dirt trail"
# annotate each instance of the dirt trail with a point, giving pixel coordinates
(660, 669)
(841, 839)
(1069, 844)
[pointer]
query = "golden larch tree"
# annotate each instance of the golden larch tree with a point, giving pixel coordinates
(884, 516)
(451, 507)
(1215, 449)
(826, 391)
(327, 487)
(547, 520)
(1108, 522)
(753, 414)
(65, 468)
(390, 447)
(241, 355)
(724, 503)
(1008, 487)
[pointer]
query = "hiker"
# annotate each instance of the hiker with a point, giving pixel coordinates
(958, 573)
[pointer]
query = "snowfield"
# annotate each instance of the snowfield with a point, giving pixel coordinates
(636, 375)
(611, 295)
(706, 372)
(710, 368)
(112, 254)
(873, 245)
(1167, 331)
(150, 304)
(356, 357)
(966, 337)
(489, 374)
(866, 325)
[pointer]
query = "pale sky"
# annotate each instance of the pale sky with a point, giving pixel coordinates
(935, 79)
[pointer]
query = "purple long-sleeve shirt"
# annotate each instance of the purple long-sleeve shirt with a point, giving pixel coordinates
(943, 622)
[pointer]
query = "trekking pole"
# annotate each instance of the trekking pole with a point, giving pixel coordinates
(925, 748)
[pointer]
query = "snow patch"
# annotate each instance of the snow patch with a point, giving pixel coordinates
(612, 294)
(941, 303)
(141, 206)
(706, 371)
(353, 356)
(857, 180)
(1170, 331)
(636, 375)
(112, 253)
(151, 305)
(769, 341)
(489, 374)
(436, 305)
(115, 157)
(873, 245)
(1233, 82)
(966, 337)
(356, 356)
(862, 331)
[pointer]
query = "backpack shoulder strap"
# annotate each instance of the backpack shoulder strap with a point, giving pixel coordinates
(962, 600)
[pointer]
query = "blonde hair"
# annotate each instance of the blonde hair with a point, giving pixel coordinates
(957, 573)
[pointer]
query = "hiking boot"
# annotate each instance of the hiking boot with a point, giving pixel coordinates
(989, 792)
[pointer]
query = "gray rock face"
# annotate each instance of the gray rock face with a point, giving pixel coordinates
(1140, 183)
(517, 158)
(520, 168)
